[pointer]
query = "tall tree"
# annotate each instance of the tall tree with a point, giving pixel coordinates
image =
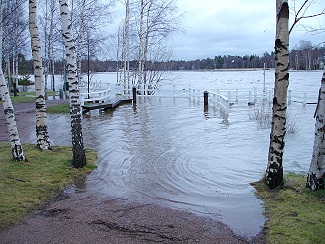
(274, 171)
(126, 47)
(16, 147)
(316, 174)
(89, 17)
(79, 156)
(15, 36)
(49, 24)
(42, 138)
(157, 22)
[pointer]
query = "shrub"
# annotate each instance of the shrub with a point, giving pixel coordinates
(262, 113)
(25, 81)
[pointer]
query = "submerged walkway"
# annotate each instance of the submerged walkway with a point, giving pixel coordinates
(105, 105)
(25, 118)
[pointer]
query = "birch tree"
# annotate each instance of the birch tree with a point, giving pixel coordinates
(49, 22)
(89, 17)
(16, 147)
(79, 157)
(15, 36)
(157, 22)
(274, 171)
(42, 138)
(126, 47)
(316, 174)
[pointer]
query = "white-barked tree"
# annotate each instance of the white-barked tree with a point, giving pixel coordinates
(79, 156)
(274, 171)
(42, 137)
(16, 147)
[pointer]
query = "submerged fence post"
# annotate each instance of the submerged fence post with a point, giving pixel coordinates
(305, 98)
(134, 93)
(289, 97)
(206, 98)
(236, 95)
(255, 95)
(61, 94)
(249, 96)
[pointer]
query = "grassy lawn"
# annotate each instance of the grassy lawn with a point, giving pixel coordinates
(295, 213)
(25, 186)
(30, 97)
(59, 109)
(27, 97)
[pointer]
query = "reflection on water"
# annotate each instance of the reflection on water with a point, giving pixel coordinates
(170, 153)
(174, 152)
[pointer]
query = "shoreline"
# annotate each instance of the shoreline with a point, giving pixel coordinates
(83, 217)
(96, 218)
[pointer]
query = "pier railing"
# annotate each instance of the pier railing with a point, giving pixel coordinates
(223, 99)
(95, 96)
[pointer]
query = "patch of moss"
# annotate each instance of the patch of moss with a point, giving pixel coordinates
(25, 186)
(295, 213)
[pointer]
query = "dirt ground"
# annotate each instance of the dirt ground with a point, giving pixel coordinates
(87, 217)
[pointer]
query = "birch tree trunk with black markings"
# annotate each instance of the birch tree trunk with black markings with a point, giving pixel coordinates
(140, 58)
(316, 174)
(16, 147)
(274, 171)
(79, 157)
(42, 137)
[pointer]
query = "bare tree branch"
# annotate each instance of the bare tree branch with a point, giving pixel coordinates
(304, 7)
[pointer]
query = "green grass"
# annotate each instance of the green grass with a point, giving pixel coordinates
(30, 97)
(59, 109)
(25, 186)
(24, 97)
(295, 214)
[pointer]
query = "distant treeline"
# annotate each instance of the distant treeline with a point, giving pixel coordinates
(310, 58)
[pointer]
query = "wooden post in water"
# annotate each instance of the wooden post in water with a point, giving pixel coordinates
(134, 93)
(206, 98)
(15, 89)
(61, 94)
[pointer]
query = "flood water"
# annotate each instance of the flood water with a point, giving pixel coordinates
(171, 152)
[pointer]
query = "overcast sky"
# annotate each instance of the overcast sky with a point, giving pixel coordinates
(233, 27)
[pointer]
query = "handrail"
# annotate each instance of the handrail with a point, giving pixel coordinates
(95, 96)
(222, 101)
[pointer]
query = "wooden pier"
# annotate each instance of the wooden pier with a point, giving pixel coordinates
(105, 105)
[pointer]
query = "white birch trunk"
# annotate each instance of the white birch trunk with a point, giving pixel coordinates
(42, 138)
(126, 37)
(140, 64)
(16, 147)
(79, 43)
(51, 44)
(316, 175)
(274, 171)
(127, 56)
(46, 47)
(79, 157)
(15, 54)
